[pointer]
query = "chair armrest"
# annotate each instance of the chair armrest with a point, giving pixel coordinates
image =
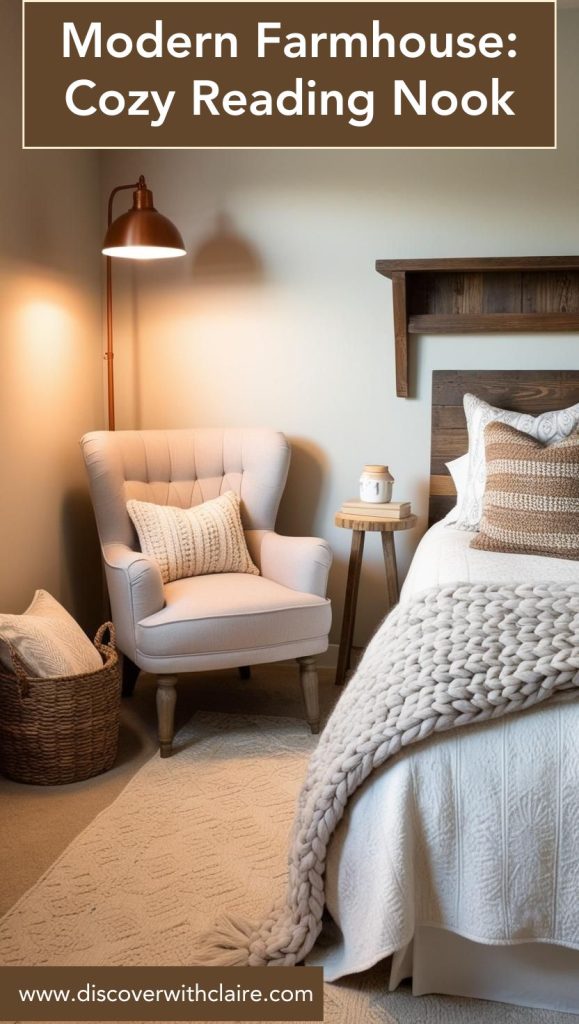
(135, 590)
(300, 563)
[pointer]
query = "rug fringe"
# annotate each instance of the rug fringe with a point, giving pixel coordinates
(227, 944)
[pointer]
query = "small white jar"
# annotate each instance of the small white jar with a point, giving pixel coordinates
(376, 484)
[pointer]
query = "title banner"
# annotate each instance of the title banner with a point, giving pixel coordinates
(353, 75)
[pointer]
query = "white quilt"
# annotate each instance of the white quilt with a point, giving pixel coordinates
(475, 831)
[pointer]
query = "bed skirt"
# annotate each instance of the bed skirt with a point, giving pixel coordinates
(534, 974)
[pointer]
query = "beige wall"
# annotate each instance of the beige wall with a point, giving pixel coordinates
(50, 358)
(307, 345)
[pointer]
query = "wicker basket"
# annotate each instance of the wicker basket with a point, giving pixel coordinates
(54, 731)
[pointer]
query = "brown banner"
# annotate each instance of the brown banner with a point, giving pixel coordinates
(245, 74)
(161, 993)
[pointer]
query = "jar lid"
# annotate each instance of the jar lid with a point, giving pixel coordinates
(375, 469)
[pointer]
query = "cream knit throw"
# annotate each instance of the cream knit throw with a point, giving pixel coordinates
(451, 657)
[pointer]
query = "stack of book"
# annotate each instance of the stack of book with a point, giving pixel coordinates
(377, 510)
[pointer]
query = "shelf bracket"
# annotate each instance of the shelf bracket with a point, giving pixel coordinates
(400, 332)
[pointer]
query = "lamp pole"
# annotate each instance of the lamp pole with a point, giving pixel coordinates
(109, 354)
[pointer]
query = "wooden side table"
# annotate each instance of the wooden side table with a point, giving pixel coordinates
(359, 526)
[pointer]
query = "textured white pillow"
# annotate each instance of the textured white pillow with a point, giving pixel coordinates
(48, 640)
(207, 538)
(547, 428)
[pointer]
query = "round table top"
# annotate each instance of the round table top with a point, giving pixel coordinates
(349, 521)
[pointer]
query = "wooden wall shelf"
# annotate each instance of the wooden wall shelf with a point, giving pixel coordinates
(461, 296)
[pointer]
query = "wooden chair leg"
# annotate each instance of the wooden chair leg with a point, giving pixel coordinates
(166, 700)
(244, 672)
(130, 676)
(310, 690)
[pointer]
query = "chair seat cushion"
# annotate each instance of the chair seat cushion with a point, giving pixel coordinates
(230, 612)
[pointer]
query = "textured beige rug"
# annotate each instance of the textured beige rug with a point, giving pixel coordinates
(189, 836)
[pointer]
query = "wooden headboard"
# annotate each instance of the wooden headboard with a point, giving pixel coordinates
(532, 391)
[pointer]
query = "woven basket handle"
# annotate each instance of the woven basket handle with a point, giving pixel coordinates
(107, 627)
(18, 667)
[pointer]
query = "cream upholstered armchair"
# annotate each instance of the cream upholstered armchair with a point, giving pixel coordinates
(207, 622)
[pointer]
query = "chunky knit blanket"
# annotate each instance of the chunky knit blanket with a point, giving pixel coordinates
(451, 657)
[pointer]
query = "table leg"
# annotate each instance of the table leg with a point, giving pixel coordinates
(392, 587)
(354, 567)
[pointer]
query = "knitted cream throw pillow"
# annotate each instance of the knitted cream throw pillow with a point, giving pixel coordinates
(531, 499)
(207, 538)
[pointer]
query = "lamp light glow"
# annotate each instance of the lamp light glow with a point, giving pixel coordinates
(143, 252)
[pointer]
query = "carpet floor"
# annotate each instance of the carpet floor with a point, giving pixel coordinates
(189, 836)
(43, 820)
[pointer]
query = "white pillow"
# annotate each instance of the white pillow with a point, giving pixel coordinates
(458, 469)
(547, 428)
(207, 538)
(48, 640)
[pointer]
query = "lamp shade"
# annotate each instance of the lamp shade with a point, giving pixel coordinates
(143, 233)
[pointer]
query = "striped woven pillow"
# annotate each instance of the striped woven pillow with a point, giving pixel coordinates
(531, 499)
(207, 538)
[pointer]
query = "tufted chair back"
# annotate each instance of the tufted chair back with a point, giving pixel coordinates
(184, 468)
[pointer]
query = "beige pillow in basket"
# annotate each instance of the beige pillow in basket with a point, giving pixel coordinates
(48, 640)
(207, 538)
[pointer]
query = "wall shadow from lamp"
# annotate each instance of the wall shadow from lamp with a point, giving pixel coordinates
(308, 475)
(81, 576)
(226, 257)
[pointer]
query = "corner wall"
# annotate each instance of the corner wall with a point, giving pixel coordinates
(296, 330)
(50, 359)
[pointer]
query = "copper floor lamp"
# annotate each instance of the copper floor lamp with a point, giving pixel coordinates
(139, 234)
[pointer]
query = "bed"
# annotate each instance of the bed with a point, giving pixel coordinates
(458, 863)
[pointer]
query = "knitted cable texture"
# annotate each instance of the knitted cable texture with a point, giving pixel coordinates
(452, 656)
